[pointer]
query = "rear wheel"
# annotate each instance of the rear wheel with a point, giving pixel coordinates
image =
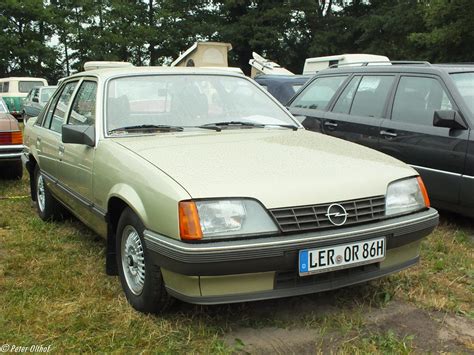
(141, 280)
(47, 206)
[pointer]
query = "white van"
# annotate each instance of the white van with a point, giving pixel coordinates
(15, 89)
(313, 65)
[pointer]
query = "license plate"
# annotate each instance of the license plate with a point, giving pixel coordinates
(342, 256)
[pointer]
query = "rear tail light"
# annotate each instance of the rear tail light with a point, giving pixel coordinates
(11, 138)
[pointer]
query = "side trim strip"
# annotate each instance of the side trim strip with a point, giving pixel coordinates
(89, 204)
(443, 172)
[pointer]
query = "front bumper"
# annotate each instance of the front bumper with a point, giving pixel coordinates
(278, 256)
(11, 152)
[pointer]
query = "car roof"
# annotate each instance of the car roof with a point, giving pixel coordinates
(283, 78)
(422, 67)
(112, 72)
(25, 78)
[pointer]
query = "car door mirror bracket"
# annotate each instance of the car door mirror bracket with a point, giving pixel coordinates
(78, 134)
(448, 119)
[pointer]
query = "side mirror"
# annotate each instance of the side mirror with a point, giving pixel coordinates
(448, 119)
(78, 134)
(35, 99)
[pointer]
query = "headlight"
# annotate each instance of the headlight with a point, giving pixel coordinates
(220, 218)
(406, 196)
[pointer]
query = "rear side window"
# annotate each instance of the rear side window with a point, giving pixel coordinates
(5, 86)
(417, 98)
(318, 94)
(371, 96)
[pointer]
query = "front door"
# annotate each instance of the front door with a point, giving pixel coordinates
(76, 160)
(437, 153)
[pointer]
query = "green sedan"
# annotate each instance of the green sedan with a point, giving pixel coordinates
(207, 190)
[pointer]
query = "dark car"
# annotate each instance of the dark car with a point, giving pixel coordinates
(282, 87)
(420, 113)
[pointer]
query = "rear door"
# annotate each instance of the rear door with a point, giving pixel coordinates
(312, 102)
(437, 153)
(48, 139)
(359, 110)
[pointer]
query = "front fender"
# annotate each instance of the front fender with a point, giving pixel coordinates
(128, 195)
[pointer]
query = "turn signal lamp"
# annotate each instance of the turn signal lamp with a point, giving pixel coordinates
(423, 191)
(189, 225)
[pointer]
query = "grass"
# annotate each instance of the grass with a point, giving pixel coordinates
(54, 291)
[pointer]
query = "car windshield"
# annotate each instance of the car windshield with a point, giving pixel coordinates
(3, 107)
(465, 84)
(26, 86)
(46, 94)
(189, 101)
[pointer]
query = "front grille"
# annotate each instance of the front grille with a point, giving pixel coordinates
(313, 217)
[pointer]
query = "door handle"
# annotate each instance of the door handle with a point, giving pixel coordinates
(331, 124)
(388, 134)
(61, 149)
(38, 142)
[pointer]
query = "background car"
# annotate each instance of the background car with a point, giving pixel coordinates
(13, 90)
(282, 87)
(35, 101)
(11, 145)
(420, 113)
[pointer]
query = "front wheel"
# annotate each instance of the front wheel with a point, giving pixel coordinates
(141, 280)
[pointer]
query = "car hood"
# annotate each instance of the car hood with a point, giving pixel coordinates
(275, 166)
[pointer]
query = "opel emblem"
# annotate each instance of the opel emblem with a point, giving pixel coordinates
(337, 214)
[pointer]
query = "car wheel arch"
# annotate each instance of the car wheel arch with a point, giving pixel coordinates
(116, 204)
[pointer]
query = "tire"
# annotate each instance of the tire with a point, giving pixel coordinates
(47, 206)
(141, 280)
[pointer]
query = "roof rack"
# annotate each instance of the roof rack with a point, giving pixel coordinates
(381, 62)
(459, 64)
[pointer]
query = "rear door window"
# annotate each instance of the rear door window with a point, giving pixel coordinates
(318, 94)
(417, 98)
(57, 110)
(344, 103)
(371, 95)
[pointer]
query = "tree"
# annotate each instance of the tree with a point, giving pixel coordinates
(449, 33)
(26, 31)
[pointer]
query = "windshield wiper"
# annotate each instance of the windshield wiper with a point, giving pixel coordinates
(163, 128)
(289, 126)
(217, 125)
